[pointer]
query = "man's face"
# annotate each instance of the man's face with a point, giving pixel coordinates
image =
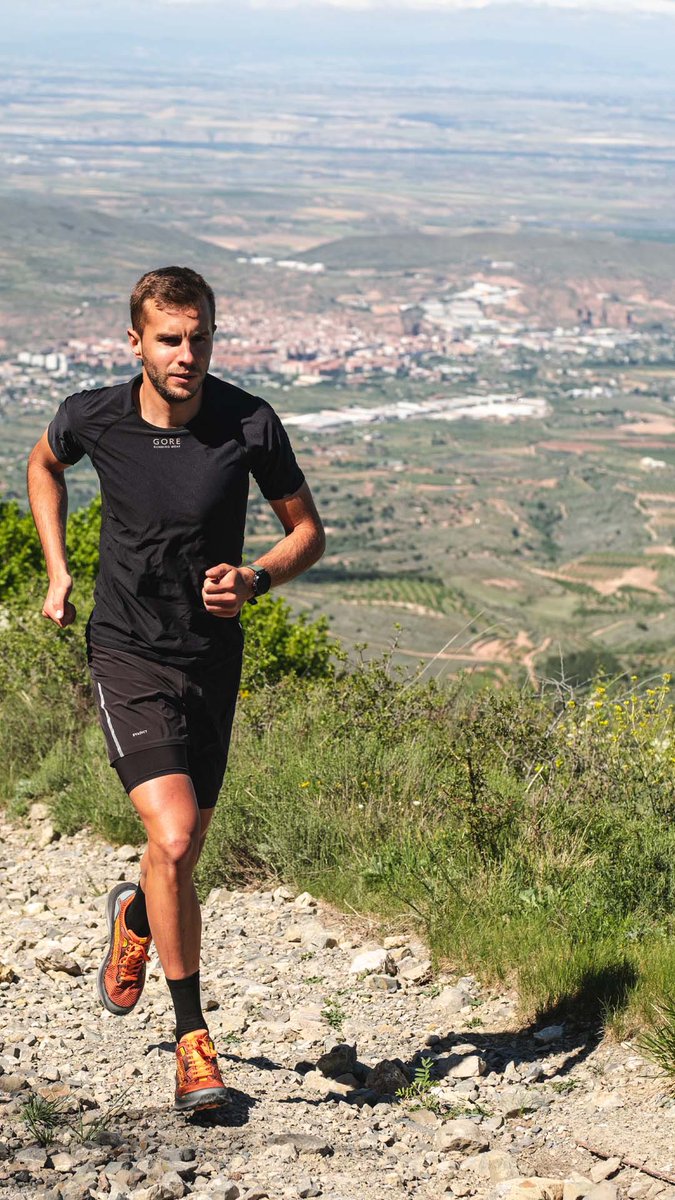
(175, 349)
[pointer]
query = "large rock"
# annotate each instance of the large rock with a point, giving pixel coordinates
(59, 961)
(461, 1135)
(303, 1143)
(604, 1169)
(451, 1000)
(552, 1033)
(603, 1191)
(339, 1060)
(495, 1165)
(386, 1078)
(369, 962)
(576, 1189)
(471, 1066)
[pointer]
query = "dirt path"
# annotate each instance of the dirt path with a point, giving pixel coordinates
(283, 988)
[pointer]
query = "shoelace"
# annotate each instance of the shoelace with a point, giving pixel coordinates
(132, 957)
(198, 1059)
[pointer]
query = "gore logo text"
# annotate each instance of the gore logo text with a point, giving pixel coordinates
(166, 443)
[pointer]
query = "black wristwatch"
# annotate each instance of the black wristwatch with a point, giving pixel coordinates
(262, 583)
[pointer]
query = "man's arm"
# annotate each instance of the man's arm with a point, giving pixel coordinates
(48, 499)
(227, 588)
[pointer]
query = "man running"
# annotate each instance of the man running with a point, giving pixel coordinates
(173, 449)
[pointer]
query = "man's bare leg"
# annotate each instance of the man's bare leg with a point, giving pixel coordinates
(168, 809)
(176, 830)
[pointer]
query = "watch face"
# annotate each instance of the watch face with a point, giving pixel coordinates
(262, 582)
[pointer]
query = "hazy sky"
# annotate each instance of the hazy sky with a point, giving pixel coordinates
(623, 38)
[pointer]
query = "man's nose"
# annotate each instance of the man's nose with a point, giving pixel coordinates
(186, 351)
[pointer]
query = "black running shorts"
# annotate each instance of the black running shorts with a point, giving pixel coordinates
(159, 720)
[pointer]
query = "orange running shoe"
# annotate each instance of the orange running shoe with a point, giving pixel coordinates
(121, 975)
(199, 1083)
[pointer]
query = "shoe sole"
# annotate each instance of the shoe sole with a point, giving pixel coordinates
(204, 1098)
(112, 908)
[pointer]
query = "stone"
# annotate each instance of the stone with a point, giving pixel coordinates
(576, 1189)
(32, 1156)
(172, 1186)
(551, 1033)
(58, 960)
(370, 961)
(498, 1165)
(315, 937)
(39, 811)
(424, 1116)
(282, 895)
(7, 973)
(522, 1101)
(603, 1191)
(382, 983)
(415, 972)
(469, 1067)
(127, 853)
(303, 1143)
(63, 1162)
(531, 1188)
(604, 1169)
(305, 900)
(451, 1000)
(46, 834)
(339, 1060)
(460, 1135)
(13, 1083)
(386, 1078)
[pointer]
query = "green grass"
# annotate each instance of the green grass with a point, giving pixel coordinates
(528, 840)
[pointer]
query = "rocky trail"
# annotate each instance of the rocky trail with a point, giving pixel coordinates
(318, 1025)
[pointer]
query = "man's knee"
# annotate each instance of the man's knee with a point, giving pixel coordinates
(175, 849)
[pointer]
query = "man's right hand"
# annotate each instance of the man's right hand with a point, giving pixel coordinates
(57, 606)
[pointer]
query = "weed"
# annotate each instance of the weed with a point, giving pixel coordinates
(659, 1041)
(466, 1110)
(421, 1083)
(564, 1086)
(432, 990)
(90, 1131)
(333, 1013)
(43, 1118)
(314, 979)
(46, 1118)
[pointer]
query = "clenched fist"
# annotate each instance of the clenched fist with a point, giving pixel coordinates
(226, 589)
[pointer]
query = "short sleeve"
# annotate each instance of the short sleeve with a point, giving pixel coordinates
(62, 436)
(273, 463)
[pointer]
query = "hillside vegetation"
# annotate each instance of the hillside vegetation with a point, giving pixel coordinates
(531, 837)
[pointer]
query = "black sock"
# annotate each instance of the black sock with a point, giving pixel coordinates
(136, 916)
(186, 1001)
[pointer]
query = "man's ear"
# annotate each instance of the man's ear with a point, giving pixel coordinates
(135, 342)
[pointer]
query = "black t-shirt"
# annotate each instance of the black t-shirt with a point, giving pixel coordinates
(174, 503)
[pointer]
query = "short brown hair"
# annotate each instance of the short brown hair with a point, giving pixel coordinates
(170, 287)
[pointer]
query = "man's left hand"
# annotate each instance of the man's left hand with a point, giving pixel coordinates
(226, 589)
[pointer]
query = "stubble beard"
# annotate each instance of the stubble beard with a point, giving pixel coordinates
(159, 381)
